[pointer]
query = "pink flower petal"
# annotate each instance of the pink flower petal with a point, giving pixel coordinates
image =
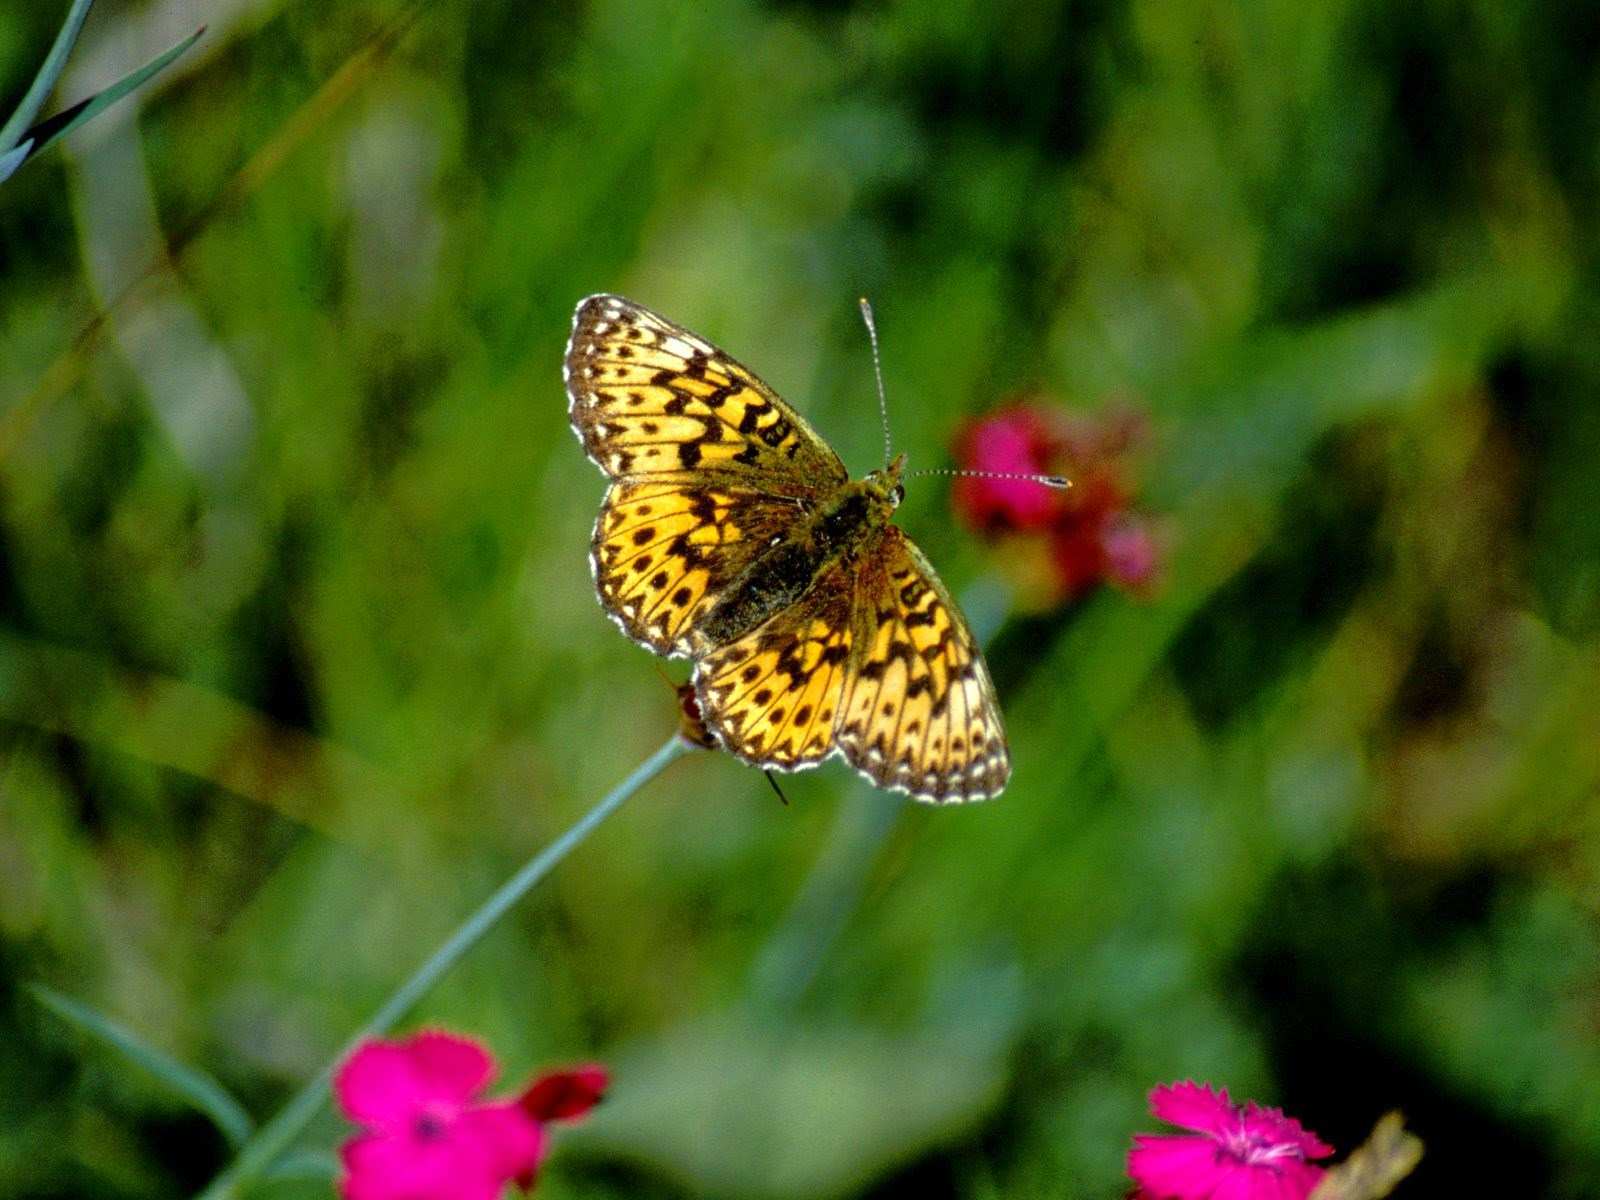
(1193, 1106)
(453, 1067)
(376, 1085)
(1269, 1124)
(503, 1139)
(379, 1167)
(565, 1095)
(1263, 1183)
(1301, 1178)
(1244, 1183)
(1170, 1165)
(1017, 440)
(384, 1083)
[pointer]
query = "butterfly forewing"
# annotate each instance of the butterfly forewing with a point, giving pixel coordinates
(648, 398)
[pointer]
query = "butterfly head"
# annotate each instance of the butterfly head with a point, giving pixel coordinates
(886, 483)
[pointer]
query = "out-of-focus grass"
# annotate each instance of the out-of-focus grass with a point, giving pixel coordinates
(300, 654)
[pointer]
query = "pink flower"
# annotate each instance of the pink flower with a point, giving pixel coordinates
(1235, 1153)
(1074, 540)
(427, 1135)
(1017, 440)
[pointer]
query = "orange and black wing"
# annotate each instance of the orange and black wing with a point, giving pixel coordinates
(650, 400)
(919, 713)
(664, 551)
(772, 696)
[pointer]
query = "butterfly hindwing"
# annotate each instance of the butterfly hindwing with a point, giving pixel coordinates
(664, 551)
(919, 713)
(772, 696)
(650, 399)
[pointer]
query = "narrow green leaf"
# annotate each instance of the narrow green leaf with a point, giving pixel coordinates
(198, 1088)
(65, 121)
(316, 1166)
(12, 159)
(11, 132)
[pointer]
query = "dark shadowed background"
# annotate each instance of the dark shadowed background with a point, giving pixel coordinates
(299, 653)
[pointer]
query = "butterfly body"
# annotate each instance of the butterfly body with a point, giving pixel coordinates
(825, 534)
(733, 536)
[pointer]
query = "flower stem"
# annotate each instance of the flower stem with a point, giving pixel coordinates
(278, 1134)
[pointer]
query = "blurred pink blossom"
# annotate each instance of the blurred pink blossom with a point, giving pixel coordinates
(1020, 440)
(426, 1133)
(1235, 1153)
(1075, 539)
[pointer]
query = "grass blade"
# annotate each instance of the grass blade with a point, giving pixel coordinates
(11, 132)
(12, 159)
(65, 121)
(303, 1166)
(198, 1088)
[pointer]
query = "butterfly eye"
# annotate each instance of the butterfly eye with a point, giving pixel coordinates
(898, 494)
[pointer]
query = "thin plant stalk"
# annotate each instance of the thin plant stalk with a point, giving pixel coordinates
(278, 1134)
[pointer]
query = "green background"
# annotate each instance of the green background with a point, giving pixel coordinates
(299, 654)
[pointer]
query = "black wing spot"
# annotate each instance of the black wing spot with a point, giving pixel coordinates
(658, 580)
(689, 454)
(763, 696)
(681, 597)
(802, 714)
(643, 536)
(642, 563)
(774, 434)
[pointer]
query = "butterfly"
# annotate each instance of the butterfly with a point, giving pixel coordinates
(732, 535)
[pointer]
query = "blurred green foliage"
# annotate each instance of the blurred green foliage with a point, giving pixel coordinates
(299, 654)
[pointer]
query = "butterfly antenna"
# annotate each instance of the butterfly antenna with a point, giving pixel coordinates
(776, 788)
(1052, 481)
(877, 369)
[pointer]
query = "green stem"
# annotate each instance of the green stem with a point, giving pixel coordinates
(278, 1134)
